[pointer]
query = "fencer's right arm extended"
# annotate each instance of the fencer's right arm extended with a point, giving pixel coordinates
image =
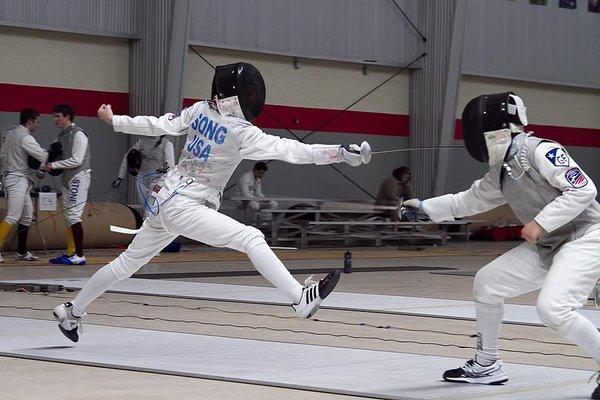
(482, 196)
(258, 145)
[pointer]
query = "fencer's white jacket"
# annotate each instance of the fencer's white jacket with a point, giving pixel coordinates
(155, 153)
(17, 145)
(215, 145)
(540, 182)
(249, 186)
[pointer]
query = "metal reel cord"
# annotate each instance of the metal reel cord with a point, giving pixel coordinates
(298, 331)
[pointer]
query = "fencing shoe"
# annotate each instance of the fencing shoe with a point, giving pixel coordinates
(314, 292)
(70, 325)
(472, 372)
(596, 394)
(25, 257)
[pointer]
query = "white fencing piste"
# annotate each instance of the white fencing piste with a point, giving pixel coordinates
(367, 373)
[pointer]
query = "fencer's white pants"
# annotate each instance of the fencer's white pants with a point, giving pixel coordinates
(565, 287)
(19, 206)
(74, 196)
(188, 217)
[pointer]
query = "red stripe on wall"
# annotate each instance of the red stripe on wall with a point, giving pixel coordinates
(309, 119)
(14, 98)
(567, 136)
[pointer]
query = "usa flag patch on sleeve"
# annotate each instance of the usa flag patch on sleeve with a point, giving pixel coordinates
(576, 178)
(558, 157)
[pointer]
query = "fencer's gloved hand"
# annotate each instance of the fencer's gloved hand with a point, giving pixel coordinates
(354, 154)
(116, 183)
(413, 203)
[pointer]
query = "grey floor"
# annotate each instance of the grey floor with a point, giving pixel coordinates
(234, 340)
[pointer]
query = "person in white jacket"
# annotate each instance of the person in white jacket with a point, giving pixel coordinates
(18, 145)
(218, 137)
(555, 200)
(156, 155)
(250, 186)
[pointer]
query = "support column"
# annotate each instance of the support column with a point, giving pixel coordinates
(157, 60)
(433, 91)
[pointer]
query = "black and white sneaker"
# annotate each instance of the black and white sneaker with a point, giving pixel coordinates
(596, 394)
(70, 325)
(314, 292)
(472, 372)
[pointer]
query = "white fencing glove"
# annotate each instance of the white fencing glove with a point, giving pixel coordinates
(354, 154)
(413, 203)
(439, 209)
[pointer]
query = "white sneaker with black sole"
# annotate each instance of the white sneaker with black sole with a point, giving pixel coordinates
(472, 372)
(25, 257)
(70, 325)
(314, 292)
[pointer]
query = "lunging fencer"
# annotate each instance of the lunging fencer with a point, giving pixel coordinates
(555, 200)
(147, 160)
(21, 155)
(219, 136)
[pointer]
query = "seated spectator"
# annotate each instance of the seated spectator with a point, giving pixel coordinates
(393, 190)
(249, 186)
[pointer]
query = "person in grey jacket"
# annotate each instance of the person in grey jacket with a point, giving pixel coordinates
(556, 201)
(17, 145)
(76, 176)
(156, 154)
(250, 186)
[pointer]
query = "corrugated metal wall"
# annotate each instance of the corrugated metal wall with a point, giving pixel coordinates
(105, 17)
(519, 40)
(430, 100)
(351, 30)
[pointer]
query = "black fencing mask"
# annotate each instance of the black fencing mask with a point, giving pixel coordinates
(489, 112)
(241, 80)
(134, 161)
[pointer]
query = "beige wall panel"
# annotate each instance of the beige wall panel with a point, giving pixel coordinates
(546, 104)
(44, 58)
(316, 84)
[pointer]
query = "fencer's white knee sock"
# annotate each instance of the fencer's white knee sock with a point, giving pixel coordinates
(584, 334)
(99, 283)
(269, 266)
(489, 319)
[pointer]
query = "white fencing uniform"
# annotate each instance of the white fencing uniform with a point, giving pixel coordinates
(156, 151)
(192, 191)
(76, 176)
(17, 145)
(546, 186)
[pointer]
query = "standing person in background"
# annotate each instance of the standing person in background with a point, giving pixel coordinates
(393, 190)
(18, 145)
(144, 160)
(74, 162)
(250, 185)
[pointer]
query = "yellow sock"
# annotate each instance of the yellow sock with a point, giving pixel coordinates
(5, 228)
(70, 242)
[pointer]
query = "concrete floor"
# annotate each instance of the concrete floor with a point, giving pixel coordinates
(26, 379)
